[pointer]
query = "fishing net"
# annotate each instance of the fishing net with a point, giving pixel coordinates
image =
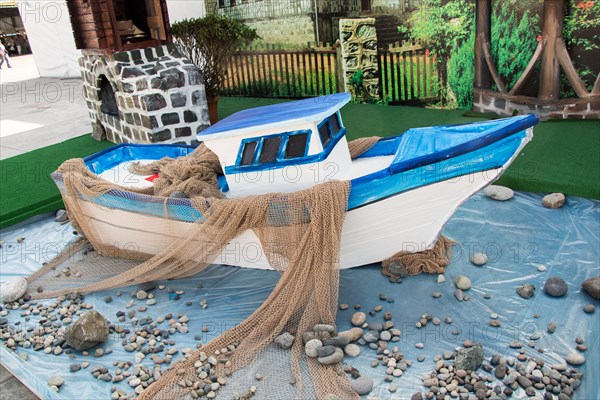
(299, 233)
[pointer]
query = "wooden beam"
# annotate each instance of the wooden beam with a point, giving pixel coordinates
(482, 26)
(550, 67)
(113, 23)
(565, 61)
(492, 67)
(529, 69)
(596, 88)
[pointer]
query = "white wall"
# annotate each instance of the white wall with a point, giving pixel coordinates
(181, 9)
(50, 35)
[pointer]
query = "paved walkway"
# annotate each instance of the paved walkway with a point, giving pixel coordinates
(36, 112)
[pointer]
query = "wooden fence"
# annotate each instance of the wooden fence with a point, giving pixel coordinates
(407, 73)
(282, 73)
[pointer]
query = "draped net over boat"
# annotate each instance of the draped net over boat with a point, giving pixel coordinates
(300, 234)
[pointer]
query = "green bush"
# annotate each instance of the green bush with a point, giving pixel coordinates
(461, 72)
(209, 43)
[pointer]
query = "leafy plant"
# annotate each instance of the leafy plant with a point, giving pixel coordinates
(356, 81)
(582, 36)
(209, 43)
(515, 31)
(441, 25)
(461, 72)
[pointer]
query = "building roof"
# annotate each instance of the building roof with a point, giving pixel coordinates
(277, 115)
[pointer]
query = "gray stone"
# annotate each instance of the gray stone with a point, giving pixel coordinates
(526, 291)
(352, 350)
(326, 350)
(589, 308)
(501, 370)
(312, 346)
(592, 287)
(363, 385)
(338, 341)
(61, 216)
(460, 296)
(89, 330)
(178, 99)
(553, 200)
(170, 118)
(154, 101)
(56, 380)
(551, 327)
(462, 282)
(575, 359)
(352, 334)
(479, 259)
(13, 289)
(499, 193)
(333, 358)
(371, 336)
(359, 318)
(524, 382)
(469, 359)
(417, 396)
(285, 340)
(172, 78)
(555, 287)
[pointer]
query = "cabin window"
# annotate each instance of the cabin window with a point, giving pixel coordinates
(335, 124)
(329, 128)
(325, 133)
(248, 153)
(270, 149)
(296, 146)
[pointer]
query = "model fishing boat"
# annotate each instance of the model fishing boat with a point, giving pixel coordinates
(403, 189)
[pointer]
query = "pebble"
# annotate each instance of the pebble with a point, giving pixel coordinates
(499, 193)
(56, 380)
(108, 299)
(352, 334)
(61, 216)
(13, 289)
(441, 278)
(575, 359)
(551, 327)
(420, 358)
(541, 268)
(592, 287)
(363, 385)
(141, 295)
(479, 259)
(343, 306)
(334, 358)
(325, 351)
(359, 318)
(352, 350)
(589, 308)
(526, 291)
(555, 286)
(285, 340)
(312, 346)
(74, 367)
(436, 294)
(419, 345)
(459, 295)
(553, 200)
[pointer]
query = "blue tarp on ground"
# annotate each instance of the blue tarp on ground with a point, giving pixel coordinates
(518, 235)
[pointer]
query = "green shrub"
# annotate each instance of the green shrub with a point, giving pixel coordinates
(209, 43)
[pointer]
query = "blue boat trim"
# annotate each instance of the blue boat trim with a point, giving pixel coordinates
(289, 112)
(498, 142)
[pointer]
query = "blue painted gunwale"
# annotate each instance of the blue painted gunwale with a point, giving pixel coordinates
(493, 151)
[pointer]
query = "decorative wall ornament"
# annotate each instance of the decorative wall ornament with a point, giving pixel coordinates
(360, 69)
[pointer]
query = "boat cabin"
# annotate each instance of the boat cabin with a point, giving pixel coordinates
(283, 147)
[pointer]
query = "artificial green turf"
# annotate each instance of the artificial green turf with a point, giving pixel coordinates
(26, 188)
(564, 156)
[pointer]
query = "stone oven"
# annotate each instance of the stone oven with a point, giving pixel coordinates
(137, 85)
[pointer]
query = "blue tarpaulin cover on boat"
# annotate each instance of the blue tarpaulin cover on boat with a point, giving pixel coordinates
(518, 235)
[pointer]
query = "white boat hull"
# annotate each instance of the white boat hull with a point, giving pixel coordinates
(409, 221)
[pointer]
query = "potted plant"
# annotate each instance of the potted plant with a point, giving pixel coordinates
(209, 43)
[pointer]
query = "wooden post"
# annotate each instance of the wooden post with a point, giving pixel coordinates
(482, 24)
(552, 33)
